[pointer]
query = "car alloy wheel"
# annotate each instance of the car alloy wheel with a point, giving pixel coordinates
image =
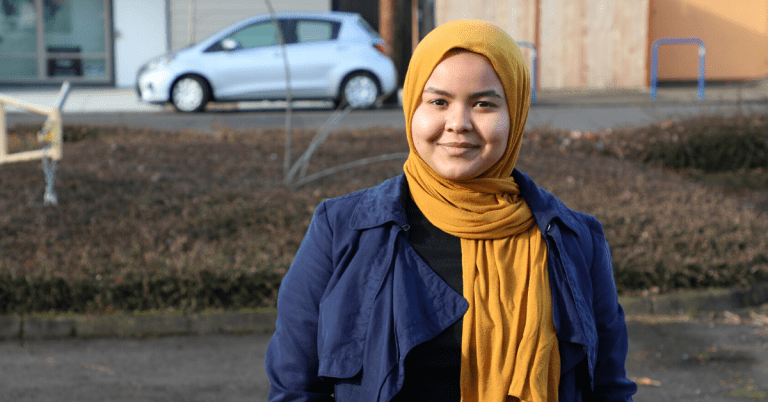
(360, 91)
(190, 94)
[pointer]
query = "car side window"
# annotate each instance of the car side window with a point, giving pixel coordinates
(256, 35)
(316, 31)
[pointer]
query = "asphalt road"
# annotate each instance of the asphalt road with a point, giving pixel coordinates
(704, 360)
(589, 116)
(698, 361)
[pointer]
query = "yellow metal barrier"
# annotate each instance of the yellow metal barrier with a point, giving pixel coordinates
(51, 134)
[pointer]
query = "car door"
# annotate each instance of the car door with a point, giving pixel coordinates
(313, 57)
(251, 69)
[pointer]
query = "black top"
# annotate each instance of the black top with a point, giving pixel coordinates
(433, 368)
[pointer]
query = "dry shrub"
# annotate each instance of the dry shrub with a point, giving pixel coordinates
(201, 216)
(665, 230)
(184, 220)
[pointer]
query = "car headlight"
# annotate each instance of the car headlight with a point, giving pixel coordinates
(156, 63)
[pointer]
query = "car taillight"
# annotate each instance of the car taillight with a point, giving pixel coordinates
(383, 48)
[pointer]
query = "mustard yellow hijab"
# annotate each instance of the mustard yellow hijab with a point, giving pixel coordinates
(509, 345)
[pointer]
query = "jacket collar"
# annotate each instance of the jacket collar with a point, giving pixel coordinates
(384, 203)
(546, 207)
(381, 204)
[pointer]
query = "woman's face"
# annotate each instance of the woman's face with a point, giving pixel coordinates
(461, 127)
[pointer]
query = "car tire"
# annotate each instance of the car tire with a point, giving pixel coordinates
(190, 94)
(359, 91)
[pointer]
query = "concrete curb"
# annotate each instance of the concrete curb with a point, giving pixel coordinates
(126, 325)
(35, 327)
(693, 302)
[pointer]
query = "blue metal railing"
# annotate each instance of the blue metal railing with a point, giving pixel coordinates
(676, 41)
(534, 62)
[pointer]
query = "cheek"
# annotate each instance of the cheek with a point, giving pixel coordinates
(423, 129)
(420, 147)
(499, 138)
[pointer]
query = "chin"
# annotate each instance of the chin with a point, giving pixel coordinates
(458, 176)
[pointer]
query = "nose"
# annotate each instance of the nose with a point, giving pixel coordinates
(459, 118)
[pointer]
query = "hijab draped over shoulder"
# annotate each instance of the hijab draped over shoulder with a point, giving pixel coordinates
(509, 345)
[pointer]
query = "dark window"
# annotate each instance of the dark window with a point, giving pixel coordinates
(316, 31)
(256, 35)
(252, 36)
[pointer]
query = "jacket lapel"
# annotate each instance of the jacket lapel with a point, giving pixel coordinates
(553, 218)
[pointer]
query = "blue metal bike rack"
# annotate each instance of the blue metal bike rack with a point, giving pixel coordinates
(534, 61)
(676, 41)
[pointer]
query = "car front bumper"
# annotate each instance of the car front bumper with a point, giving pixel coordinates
(154, 86)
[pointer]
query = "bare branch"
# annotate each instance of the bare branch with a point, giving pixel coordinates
(350, 165)
(322, 134)
(288, 98)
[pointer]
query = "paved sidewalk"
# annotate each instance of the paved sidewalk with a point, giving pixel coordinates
(81, 99)
(719, 355)
(718, 92)
(106, 99)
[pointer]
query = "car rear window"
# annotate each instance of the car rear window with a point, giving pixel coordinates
(316, 31)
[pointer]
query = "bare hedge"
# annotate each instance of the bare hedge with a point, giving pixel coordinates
(183, 220)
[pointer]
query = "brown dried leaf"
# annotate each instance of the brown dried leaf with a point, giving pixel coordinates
(646, 381)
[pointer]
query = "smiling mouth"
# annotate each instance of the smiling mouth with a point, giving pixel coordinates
(458, 148)
(459, 145)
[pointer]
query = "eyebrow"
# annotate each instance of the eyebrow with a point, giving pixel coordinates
(482, 94)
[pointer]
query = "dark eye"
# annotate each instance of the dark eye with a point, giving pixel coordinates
(438, 102)
(484, 104)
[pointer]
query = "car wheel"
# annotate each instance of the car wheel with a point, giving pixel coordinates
(190, 94)
(360, 91)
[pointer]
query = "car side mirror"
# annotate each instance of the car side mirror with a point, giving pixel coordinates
(230, 44)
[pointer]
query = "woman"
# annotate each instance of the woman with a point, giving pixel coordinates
(459, 280)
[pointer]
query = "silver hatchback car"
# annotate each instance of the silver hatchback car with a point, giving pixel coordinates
(331, 56)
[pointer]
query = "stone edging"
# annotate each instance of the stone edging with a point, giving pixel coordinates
(125, 325)
(692, 302)
(161, 324)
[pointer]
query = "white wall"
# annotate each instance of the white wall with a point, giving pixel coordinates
(140, 34)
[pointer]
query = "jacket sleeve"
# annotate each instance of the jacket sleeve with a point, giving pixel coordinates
(610, 379)
(292, 354)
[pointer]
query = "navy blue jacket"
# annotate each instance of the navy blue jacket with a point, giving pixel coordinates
(358, 298)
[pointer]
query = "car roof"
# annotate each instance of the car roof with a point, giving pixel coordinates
(339, 15)
(331, 15)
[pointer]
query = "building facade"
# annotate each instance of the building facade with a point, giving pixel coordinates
(735, 35)
(106, 41)
(608, 43)
(44, 40)
(580, 43)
